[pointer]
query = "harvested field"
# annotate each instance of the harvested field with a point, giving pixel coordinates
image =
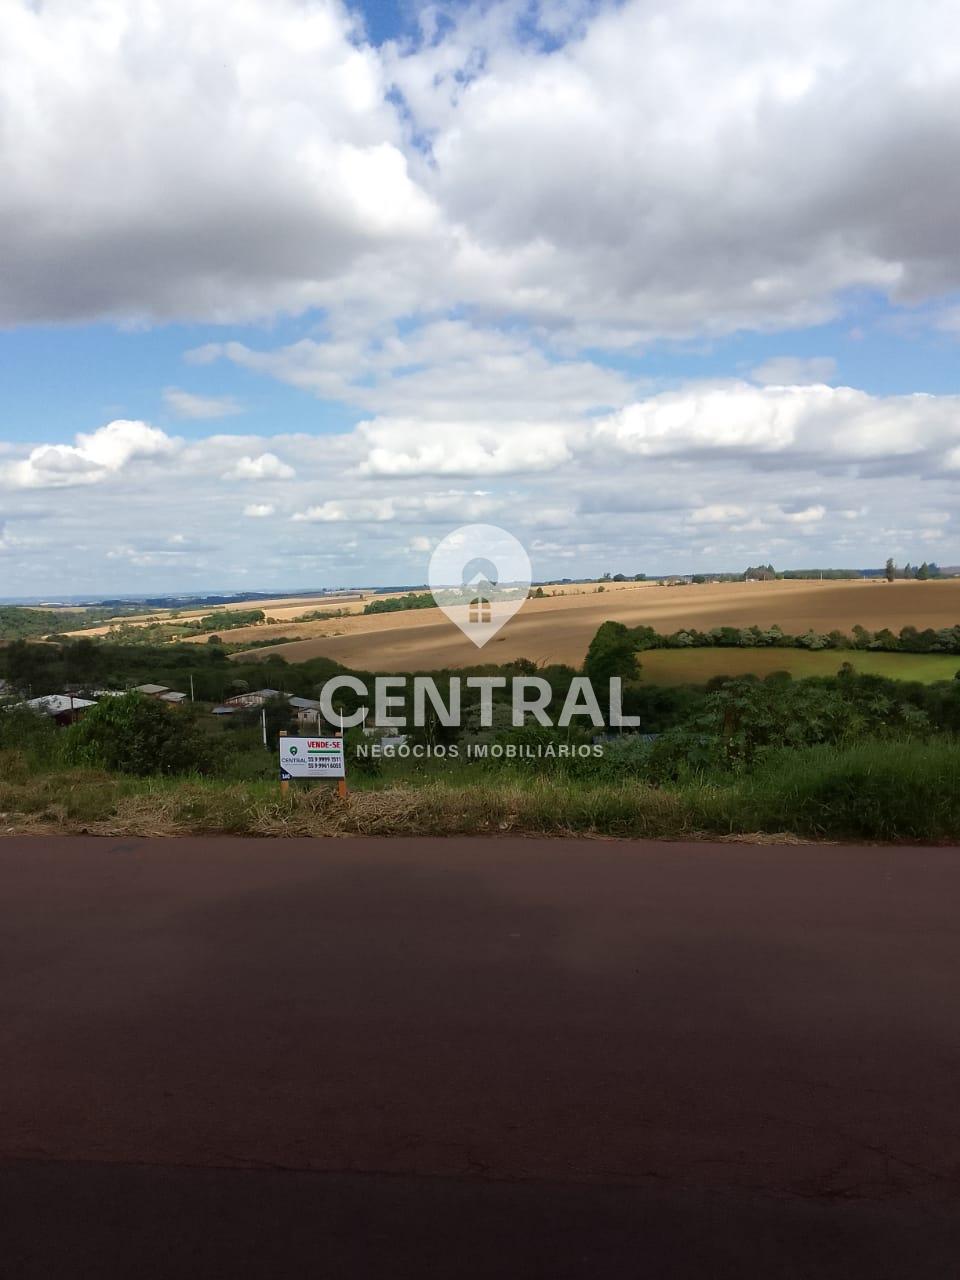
(283, 608)
(558, 628)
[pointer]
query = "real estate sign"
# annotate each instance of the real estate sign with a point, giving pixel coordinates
(311, 758)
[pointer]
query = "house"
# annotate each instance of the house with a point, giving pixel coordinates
(255, 698)
(150, 690)
(308, 712)
(172, 697)
(224, 711)
(64, 708)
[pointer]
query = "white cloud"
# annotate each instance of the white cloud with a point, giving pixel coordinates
(442, 369)
(786, 474)
(808, 515)
(785, 371)
(735, 172)
(259, 156)
(815, 424)
(93, 458)
(342, 512)
(188, 405)
(266, 466)
(408, 447)
(719, 513)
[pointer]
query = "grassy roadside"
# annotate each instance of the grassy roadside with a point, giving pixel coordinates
(874, 791)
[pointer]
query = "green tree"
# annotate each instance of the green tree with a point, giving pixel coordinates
(138, 735)
(612, 652)
(890, 570)
(923, 573)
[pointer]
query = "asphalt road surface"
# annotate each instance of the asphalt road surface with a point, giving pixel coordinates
(545, 1058)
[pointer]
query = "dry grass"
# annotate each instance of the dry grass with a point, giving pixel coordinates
(97, 805)
(559, 628)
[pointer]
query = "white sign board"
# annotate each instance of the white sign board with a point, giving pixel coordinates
(311, 758)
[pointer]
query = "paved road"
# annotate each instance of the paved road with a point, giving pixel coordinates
(478, 1057)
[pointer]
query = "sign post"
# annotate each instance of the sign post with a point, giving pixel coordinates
(316, 757)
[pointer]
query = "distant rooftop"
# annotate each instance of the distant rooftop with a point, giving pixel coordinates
(55, 704)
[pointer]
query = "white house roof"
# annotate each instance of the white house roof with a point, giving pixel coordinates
(172, 696)
(150, 688)
(54, 704)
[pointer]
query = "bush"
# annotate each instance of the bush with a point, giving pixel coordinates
(872, 791)
(138, 735)
(28, 732)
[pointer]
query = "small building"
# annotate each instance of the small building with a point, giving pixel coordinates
(224, 711)
(308, 711)
(255, 698)
(150, 690)
(64, 708)
(172, 697)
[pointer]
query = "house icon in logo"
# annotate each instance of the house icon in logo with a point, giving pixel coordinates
(479, 582)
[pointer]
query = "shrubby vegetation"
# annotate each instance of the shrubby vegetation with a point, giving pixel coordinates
(174, 628)
(909, 639)
(18, 623)
(137, 735)
(395, 604)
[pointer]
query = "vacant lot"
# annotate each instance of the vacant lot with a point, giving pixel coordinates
(559, 628)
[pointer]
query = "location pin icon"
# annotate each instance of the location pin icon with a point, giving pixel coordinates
(479, 576)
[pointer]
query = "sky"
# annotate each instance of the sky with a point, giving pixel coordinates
(290, 289)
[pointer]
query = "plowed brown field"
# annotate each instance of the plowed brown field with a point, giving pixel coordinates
(559, 628)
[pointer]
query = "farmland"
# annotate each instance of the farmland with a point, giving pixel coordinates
(559, 627)
(283, 608)
(696, 666)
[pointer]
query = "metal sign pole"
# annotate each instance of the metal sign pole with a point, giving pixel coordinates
(284, 782)
(342, 782)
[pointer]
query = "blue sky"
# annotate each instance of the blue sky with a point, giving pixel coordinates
(659, 287)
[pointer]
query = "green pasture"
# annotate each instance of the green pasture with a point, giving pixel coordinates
(696, 666)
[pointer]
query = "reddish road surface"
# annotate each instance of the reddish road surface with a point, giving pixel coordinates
(555, 1058)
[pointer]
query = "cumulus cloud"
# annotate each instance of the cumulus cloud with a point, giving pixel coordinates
(617, 172)
(452, 505)
(408, 447)
(706, 475)
(816, 425)
(266, 466)
(257, 153)
(94, 457)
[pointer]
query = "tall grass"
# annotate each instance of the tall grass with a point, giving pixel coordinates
(878, 791)
(873, 791)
